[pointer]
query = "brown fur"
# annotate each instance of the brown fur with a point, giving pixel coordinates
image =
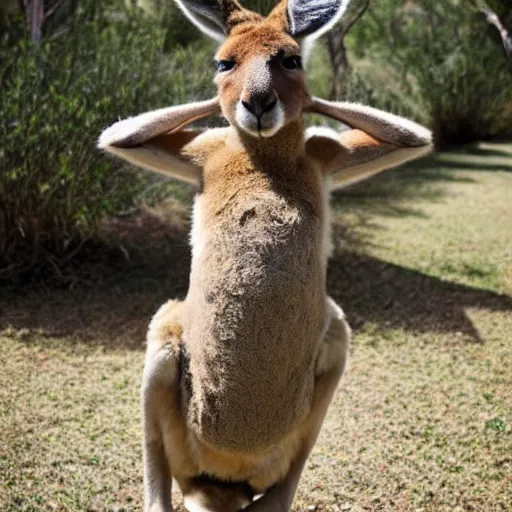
(261, 469)
(248, 42)
(256, 310)
(256, 298)
(239, 375)
(356, 147)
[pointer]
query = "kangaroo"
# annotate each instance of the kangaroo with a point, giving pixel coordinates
(239, 375)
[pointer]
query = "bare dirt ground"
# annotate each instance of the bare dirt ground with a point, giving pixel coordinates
(422, 420)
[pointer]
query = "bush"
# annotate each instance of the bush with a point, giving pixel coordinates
(440, 62)
(55, 186)
(177, 28)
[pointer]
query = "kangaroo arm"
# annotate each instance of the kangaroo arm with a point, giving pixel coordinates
(377, 141)
(381, 125)
(154, 140)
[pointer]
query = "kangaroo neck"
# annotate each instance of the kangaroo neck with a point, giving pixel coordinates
(284, 149)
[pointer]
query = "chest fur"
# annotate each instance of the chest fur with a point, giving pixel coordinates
(255, 306)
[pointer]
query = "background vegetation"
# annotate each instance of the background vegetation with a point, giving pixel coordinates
(68, 68)
(422, 262)
(421, 422)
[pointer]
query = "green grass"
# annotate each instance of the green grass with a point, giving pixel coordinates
(422, 420)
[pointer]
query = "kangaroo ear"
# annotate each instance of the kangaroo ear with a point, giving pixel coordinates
(215, 18)
(314, 17)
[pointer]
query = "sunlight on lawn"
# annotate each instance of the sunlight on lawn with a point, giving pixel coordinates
(421, 422)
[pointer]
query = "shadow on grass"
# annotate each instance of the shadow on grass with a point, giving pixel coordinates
(114, 311)
(465, 165)
(483, 157)
(489, 151)
(113, 308)
(396, 193)
(391, 296)
(423, 179)
(400, 193)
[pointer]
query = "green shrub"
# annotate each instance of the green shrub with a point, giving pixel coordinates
(177, 28)
(55, 186)
(439, 61)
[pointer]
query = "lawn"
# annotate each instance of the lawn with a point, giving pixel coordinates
(423, 418)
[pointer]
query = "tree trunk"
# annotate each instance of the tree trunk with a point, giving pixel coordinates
(340, 64)
(35, 15)
(341, 68)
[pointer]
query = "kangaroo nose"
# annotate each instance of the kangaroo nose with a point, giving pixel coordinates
(260, 104)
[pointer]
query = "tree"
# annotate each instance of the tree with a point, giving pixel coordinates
(337, 51)
(43, 16)
(493, 19)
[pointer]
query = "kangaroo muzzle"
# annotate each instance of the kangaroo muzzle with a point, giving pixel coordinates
(259, 111)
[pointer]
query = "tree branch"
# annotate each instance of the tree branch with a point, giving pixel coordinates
(493, 19)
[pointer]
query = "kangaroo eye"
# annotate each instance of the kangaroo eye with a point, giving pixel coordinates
(294, 62)
(224, 65)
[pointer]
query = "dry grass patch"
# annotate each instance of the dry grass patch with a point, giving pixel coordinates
(422, 421)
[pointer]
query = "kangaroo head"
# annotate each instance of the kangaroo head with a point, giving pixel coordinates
(261, 80)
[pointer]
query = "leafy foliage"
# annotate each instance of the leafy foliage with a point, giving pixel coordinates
(446, 59)
(441, 64)
(56, 99)
(178, 31)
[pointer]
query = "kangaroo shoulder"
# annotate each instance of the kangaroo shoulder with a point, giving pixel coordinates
(205, 145)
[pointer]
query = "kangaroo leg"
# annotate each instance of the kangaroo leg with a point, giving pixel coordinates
(160, 402)
(330, 364)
